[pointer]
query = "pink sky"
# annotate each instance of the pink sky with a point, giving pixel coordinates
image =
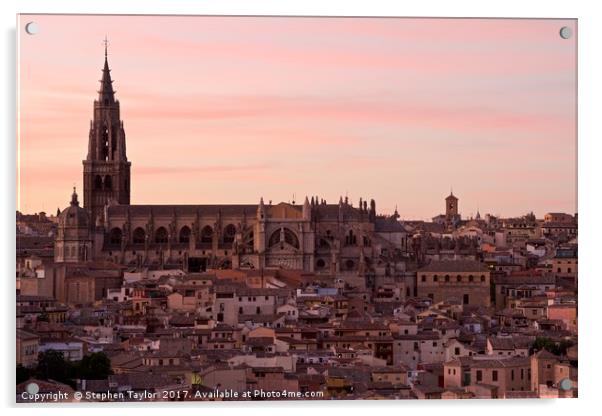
(228, 109)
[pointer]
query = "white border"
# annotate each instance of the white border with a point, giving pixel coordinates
(590, 135)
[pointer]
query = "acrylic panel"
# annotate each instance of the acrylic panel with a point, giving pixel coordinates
(295, 208)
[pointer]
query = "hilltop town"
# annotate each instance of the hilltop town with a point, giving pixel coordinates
(310, 300)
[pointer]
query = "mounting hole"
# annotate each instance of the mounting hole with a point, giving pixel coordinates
(32, 28)
(566, 384)
(566, 32)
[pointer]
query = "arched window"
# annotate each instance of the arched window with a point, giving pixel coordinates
(284, 235)
(97, 182)
(184, 234)
(108, 182)
(350, 239)
(115, 236)
(139, 236)
(291, 238)
(206, 234)
(161, 235)
(105, 143)
(320, 264)
(229, 233)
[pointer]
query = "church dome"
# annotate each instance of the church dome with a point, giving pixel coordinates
(74, 216)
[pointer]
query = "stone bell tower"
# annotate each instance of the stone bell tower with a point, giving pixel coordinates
(106, 168)
(451, 207)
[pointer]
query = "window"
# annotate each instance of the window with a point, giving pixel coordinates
(494, 375)
(423, 278)
(283, 235)
(350, 238)
(447, 277)
(139, 236)
(435, 278)
(206, 234)
(161, 235)
(115, 236)
(229, 233)
(184, 235)
(479, 375)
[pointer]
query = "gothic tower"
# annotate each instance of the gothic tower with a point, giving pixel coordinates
(106, 168)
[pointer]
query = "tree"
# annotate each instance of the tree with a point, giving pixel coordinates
(52, 365)
(556, 348)
(95, 366)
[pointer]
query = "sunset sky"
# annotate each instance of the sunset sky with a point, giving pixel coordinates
(228, 109)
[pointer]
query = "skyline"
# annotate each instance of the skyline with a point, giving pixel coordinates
(372, 97)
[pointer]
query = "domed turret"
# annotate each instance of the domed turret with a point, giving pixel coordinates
(73, 241)
(74, 216)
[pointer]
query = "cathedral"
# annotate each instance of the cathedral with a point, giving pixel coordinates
(313, 237)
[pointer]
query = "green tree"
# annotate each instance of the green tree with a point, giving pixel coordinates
(52, 365)
(556, 348)
(95, 366)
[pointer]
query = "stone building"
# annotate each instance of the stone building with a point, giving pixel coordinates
(466, 281)
(314, 236)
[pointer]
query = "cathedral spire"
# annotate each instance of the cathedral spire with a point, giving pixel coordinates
(106, 168)
(106, 95)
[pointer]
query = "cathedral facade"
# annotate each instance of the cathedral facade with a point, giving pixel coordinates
(312, 237)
